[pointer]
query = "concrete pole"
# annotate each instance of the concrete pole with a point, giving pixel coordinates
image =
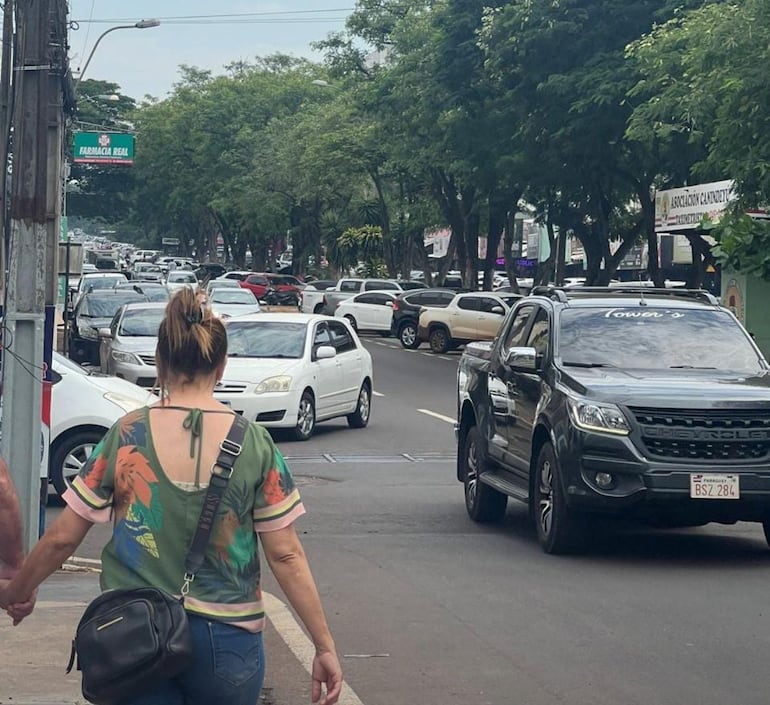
(5, 123)
(23, 349)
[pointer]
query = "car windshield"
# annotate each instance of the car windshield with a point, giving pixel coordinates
(232, 296)
(141, 322)
(654, 338)
(106, 306)
(145, 268)
(269, 339)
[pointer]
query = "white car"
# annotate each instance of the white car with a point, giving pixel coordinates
(83, 408)
(292, 370)
(221, 284)
(372, 310)
(179, 279)
(226, 302)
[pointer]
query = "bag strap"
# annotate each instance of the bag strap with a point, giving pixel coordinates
(221, 472)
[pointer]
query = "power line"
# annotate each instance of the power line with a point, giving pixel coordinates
(277, 14)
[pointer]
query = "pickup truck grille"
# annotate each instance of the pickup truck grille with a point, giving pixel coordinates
(697, 435)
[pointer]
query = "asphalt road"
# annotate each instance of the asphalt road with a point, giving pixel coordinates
(429, 608)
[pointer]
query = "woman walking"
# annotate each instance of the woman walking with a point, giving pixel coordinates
(149, 476)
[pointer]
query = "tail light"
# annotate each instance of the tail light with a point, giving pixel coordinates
(395, 305)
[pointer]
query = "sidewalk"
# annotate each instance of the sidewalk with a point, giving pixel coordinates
(34, 655)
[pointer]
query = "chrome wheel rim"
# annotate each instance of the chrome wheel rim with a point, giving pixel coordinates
(363, 404)
(546, 498)
(471, 474)
(408, 335)
(306, 417)
(75, 460)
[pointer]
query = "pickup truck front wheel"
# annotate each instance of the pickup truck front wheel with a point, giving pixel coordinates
(559, 530)
(438, 340)
(484, 504)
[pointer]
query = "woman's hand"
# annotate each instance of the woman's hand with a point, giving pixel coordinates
(16, 608)
(326, 672)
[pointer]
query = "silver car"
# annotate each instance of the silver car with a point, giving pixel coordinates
(226, 302)
(179, 279)
(127, 347)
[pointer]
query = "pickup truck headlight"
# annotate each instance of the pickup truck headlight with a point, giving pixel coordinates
(596, 417)
(281, 383)
(126, 357)
(88, 332)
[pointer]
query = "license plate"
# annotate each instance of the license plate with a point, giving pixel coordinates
(714, 486)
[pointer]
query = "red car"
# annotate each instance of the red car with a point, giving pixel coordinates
(257, 284)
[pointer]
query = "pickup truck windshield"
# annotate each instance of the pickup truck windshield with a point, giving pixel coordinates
(647, 337)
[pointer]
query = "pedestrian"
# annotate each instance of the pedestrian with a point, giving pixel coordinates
(143, 478)
(11, 544)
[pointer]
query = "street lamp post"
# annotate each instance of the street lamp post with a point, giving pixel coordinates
(142, 24)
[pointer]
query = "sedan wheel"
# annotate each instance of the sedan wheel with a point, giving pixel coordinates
(360, 417)
(408, 336)
(352, 322)
(68, 457)
(305, 417)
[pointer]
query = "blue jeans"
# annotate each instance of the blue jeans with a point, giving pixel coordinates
(227, 669)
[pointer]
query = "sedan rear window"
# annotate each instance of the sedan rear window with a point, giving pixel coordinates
(655, 338)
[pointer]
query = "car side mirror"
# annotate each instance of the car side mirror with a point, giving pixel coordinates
(325, 352)
(522, 359)
(105, 333)
(499, 310)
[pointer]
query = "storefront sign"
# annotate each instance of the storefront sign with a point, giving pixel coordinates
(103, 148)
(686, 208)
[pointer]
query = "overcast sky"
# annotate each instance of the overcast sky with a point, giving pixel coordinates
(146, 61)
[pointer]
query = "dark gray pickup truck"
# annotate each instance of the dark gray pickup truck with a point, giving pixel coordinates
(646, 404)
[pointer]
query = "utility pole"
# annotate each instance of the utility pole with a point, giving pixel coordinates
(5, 128)
(39, 70)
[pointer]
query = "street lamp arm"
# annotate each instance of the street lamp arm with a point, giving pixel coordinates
(142, 24)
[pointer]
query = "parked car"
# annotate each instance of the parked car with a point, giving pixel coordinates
(95, 281)
(372, 310)
(283, 290)
(83, 408)
(179, 279)
(406, 312)
(209, 270)
(152, 290)
(291, 370)
(475, 315)
(147, 272)
(409, 285)
(221, 284)
(227, 302)
(94, 311)
(236, 274)
(659, 401)
(326, 301)
(127, 345)
(257, 284)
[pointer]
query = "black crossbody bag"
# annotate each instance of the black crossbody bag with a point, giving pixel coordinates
(128, 640)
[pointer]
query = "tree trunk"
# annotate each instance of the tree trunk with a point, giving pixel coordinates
(387, 239)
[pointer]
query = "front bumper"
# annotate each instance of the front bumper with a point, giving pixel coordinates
(653, 488)
(272, 410)
(142, 375)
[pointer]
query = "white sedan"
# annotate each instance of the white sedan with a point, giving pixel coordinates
(226, 302)
(83, 407)
(179, 279)
(292, 370)
(372, 310)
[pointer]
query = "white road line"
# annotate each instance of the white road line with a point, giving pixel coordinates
(384, 345)
(435, 415)
(378, 394)
(444, 357)
(427, 354)
(300, 645)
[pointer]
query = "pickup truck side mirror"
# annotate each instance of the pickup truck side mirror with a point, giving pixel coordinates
(105, 333)
(498, 310)
(523, 359)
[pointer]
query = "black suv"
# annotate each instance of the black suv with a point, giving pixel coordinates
(649, 404)
(406, 312)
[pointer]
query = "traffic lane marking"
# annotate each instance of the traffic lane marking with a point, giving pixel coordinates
(436, 415)
(378, 394)
(294, 637)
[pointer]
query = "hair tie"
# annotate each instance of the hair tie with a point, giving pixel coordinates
(192, 319)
